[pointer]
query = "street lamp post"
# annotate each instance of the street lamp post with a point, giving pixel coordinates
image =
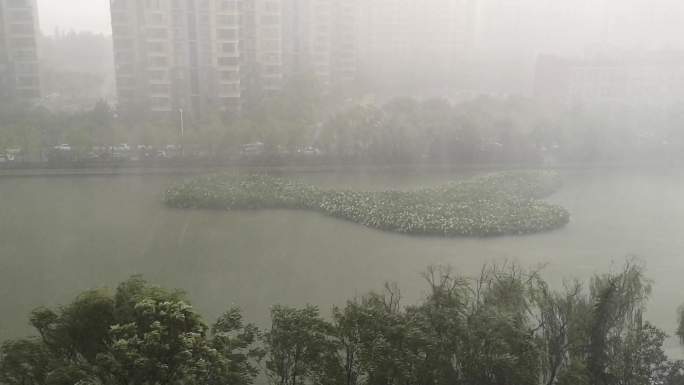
(182, 131)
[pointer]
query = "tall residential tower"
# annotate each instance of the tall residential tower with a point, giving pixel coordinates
(195, 55)
(321, 39)
(19, 64)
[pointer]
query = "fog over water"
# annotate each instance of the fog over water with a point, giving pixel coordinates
(60, 236)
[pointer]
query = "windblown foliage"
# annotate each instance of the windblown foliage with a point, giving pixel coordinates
(505, 326)
(142, 335)
(490, 205)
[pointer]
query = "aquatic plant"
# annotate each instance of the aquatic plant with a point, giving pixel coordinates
(505, 203)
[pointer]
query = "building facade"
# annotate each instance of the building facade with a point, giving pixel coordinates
(19, 60)
(321, 40)
(613, 80)
(195, 55)
(261, 47)
(204, 55)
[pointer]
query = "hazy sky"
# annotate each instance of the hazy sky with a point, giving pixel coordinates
(555, 25)
(79, 15)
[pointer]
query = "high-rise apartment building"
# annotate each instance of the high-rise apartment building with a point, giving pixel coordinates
(195, 55)
(19, 65)
(261, 47)
(143, 50)
(613, 79)
(321, 39)
(202, 55)
(4, 59)
(164, 56)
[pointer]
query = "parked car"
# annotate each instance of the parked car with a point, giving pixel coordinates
(309, 151)
(173, 151)
(62, 147)
(252, 149)
(61, 153)
(14, 154)
(121, 152)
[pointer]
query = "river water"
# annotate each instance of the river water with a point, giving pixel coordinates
(62, 235)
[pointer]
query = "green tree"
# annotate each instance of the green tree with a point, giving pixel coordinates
(24, 362)
(564, 319)
(390, 339)
(619, 301)
(140, 335)
(299, 347)
(286, 118)
(347, 328)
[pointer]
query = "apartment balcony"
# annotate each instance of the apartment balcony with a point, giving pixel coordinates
(25, 56)
(159, 82)
(126, 82)
(27, 82)
(28, 93)
(19, 4)
(22, 34)
(160, 103)
(26, 68)
(161, 109)
(228, 62)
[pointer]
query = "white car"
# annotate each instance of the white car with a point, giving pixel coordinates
(63, 147)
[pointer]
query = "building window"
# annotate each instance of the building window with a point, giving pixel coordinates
(228, 5)
(230, 89)
(228, 61)
(25, 55)
(230, 75)
(156, 47)
(22, 15)
(271, 70)
(159, 89)
(156, 75)
(227, 20)
(157, 33)
(155, 18)
(159, 61)
(160, 102)
(229, 47)
(270, 45)
(19, 4)
(272, 7)
(29, 93)
(270, 20)
(21, 28)
(227, 34)
(27, 81)
(153, 4)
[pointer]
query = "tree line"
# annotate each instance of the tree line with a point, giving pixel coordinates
(507, 326)
(401, 130)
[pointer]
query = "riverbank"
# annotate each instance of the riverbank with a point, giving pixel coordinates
(197, 168)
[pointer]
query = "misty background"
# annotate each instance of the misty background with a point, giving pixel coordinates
(508, 36)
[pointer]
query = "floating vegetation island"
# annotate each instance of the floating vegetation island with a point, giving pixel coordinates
(504, 203)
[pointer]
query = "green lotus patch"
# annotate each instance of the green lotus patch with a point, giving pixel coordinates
(505, 203)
